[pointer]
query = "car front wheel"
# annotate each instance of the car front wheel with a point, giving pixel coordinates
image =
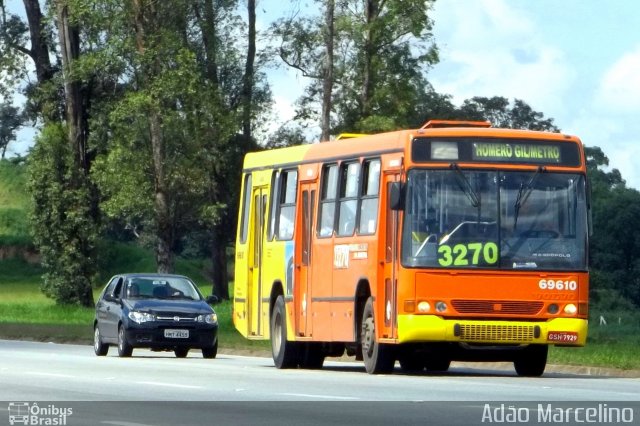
(99, 347)
(124, 348)
(210, 352)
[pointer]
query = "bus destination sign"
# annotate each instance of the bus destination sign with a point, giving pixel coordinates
(496, 150)
(517, 153)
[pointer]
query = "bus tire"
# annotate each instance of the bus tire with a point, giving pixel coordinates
(411, 361)
(283, 352)
(311, 356)
(531, 361)
(378, 357)
(437, 364)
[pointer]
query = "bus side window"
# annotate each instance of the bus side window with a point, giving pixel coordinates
(369, 200)
(273, 200)
(245, 209)
(349, 183)
(288, 188)
(328, 200)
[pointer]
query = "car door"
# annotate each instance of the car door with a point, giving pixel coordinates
(113, 309)
(102, 305)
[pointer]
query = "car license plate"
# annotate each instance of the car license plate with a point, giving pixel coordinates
(176, 334)
(562, 336)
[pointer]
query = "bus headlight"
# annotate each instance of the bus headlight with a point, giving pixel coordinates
(441, 306)
(424, 307)
(570, 309)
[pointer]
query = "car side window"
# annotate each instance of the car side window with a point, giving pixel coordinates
(117, 292)
(108, 290)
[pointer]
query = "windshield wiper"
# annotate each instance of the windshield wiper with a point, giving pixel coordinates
(523, 194)
(465, 185)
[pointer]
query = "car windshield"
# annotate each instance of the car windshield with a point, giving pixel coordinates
(495, 219)
(161, 288)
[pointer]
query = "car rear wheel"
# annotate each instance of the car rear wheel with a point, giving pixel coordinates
(124, 348)
(211, 352)
(181, 352)
(99, 348)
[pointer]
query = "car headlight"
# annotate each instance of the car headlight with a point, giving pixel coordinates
(209, 318)
(140, 317)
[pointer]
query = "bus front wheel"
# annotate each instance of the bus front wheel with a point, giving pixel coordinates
(531, 361)
(283, 351)
(378, 357)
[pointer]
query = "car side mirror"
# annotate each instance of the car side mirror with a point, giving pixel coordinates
(212, 299)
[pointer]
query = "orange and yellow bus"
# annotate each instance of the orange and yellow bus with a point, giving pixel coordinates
(455, 241)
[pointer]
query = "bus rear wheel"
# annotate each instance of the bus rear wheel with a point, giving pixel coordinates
(378, 357)
(532, 361)
(283, 352)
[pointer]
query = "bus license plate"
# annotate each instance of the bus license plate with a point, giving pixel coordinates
(176, 334)
(562, 336)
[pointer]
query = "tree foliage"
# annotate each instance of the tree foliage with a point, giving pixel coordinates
(501, 113)
(10, 120)
(382, 51)
(62, 226)
(615, 244)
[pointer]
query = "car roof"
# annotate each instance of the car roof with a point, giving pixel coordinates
(151, 275)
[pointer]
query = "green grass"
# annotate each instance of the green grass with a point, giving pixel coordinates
(612, 345)
(13, 180)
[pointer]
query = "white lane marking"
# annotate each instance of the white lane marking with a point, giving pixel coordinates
(39, 373)
(117, 423)
(173, 385)
(307, 395)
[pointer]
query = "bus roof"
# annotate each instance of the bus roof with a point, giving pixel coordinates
(383, 143)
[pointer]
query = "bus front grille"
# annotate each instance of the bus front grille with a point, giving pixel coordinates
(496, 333)
(511, 307)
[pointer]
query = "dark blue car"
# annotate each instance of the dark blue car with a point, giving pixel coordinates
(157, 311)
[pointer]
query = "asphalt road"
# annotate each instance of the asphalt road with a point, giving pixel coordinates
(161, 389)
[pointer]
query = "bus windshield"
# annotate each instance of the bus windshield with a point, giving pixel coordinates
(495, 219)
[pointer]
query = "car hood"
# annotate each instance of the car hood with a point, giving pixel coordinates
(157, 306)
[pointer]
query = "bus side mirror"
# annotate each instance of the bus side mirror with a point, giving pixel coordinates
(396, 196)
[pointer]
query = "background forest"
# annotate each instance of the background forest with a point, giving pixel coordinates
(144, 110)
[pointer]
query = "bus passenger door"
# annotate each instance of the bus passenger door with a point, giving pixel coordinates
(303, 296)
(391, 231)
(257, 236)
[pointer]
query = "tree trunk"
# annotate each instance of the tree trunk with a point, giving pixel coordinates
(145, 20)
(219, 273)
(39, 44)
(369, 48)
(209, 37)
(39, 53)
(248, 80)
(69, 38)
(327, 74)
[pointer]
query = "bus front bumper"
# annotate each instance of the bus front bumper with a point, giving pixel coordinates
(431, 328)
